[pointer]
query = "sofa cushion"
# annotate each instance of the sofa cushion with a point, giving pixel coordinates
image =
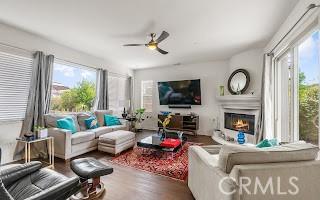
(118, 127)
(83, 136)
(81, 120)
(231, 155)
(116, 137)
(51, 120)
(101, 130)
(100, 116)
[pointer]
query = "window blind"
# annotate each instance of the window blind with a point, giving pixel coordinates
(146, 95)
(15, 76)
(117, 93)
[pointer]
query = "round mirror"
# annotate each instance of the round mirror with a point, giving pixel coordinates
(238, 81)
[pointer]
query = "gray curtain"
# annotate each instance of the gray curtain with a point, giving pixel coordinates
(39, 97)
(265, 118)
(101, 102)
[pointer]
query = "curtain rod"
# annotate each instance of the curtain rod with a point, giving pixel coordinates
(310, 7)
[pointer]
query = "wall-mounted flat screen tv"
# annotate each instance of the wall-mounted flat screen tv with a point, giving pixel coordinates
(187, 92)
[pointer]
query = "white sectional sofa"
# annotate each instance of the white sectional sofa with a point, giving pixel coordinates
(68, 145)
(224, 174)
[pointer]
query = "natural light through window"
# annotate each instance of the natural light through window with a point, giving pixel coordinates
(146, 95)
(309, 89)
(73, 88)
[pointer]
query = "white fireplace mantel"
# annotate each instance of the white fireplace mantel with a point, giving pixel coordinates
(242, 102)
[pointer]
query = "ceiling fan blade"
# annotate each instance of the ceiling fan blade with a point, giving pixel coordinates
(133, 45)
(161, 51)
(163, 36)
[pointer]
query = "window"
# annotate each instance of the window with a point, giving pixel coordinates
(297, 92)
(284, 107)
(118, 97)
(73, 87)
(146, 95)
(15, 76)
(308, 89)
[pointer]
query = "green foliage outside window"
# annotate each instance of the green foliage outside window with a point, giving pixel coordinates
(79, 98)
(308, 110)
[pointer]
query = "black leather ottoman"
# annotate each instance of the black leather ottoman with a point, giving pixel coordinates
(90, 170)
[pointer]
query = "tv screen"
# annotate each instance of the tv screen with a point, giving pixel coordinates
(186, 92)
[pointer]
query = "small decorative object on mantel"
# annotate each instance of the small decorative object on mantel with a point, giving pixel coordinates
(221, 90)
(238, 81)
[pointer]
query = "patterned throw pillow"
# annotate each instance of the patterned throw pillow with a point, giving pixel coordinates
(91, 123)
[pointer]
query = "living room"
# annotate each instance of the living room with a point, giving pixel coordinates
(159, 100)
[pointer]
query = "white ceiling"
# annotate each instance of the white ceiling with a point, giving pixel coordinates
(200, 30)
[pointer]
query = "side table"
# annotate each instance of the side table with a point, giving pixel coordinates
(50, 145)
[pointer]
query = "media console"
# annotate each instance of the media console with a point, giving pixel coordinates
(186, 123)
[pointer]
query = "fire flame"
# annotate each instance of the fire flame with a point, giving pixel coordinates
(241, 124)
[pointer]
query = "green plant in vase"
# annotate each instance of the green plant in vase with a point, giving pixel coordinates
(40, 132)
(139, 118)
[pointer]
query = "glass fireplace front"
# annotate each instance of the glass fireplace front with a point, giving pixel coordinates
(239, 122)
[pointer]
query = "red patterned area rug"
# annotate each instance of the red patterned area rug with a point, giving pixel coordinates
(157, 162)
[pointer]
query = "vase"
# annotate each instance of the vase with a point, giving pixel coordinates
(163, 135)
(241, 138)
(138, 126)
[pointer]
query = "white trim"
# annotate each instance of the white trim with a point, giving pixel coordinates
(247, 102)
(73, 64)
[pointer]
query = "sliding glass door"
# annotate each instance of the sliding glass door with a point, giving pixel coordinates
(309, 88)
(297, 91)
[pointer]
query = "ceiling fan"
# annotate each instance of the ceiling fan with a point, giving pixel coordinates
(153, 44)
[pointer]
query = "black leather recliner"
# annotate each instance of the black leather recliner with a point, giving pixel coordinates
(30, 182)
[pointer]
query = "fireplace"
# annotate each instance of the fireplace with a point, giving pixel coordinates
(239, 122)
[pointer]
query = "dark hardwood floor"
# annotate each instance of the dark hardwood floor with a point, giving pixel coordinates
(128, 183)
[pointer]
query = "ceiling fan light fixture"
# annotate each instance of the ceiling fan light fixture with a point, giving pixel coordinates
(153, 43)
(152, 46)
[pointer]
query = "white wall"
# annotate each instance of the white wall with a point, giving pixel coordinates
(251, 60)
(212, 75)
(15, 37)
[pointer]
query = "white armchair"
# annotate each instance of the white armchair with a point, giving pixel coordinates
(225, 176)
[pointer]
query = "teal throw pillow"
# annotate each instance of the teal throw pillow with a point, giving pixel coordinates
(264, 143)
(67, 123)
(274, 142)
(111, 120)
(91, 123)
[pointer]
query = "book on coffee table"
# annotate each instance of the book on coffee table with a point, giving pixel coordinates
(170, 143)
